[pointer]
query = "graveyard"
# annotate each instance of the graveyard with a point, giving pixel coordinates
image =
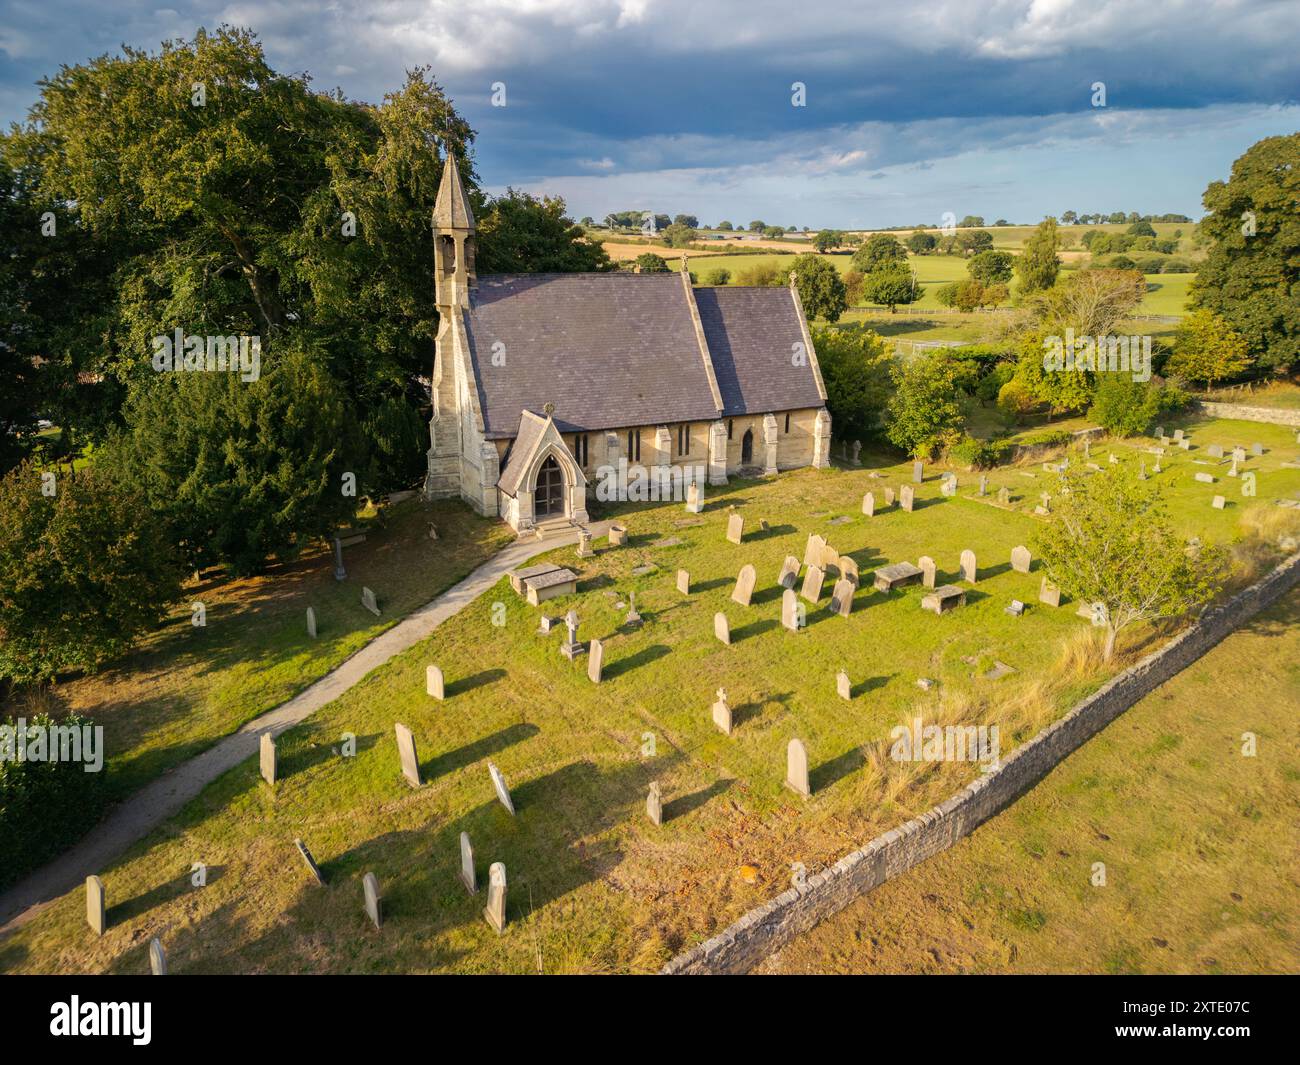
(581, 780)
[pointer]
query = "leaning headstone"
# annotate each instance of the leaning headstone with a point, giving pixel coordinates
(95, 905)
(1004, 495)
(368, 601)
(869, 504)
(406, 748)
(309, 861)
(654, 804)
(311, 623)
(789, 572)
(1049, 593)
(1021, 559)
(813, 550)
(495, 911)
(683, 582)
(969, 572)
(889, 497)
(157, 957)
(722, 713)
(722, 628)
(948, 486)
(928, 570)
(1218, 502)
(433, 683)
(1185, 443)
(1015, 609)
(735, 527)
(812, 584)
(796, 768)
(499, 785)
(790, 610)
(848, 569)
(468, 876)
(694, 497)
(267, 761)
(842, 686)
(374, 902)
(1178, 435)
(906, 497)
(595, 661)
(918, 472)
(744, 589)
(842, 597)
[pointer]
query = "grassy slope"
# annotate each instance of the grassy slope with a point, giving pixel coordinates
(1199, 845)
(593, 885)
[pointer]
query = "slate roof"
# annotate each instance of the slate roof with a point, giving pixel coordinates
(751, 333)
(617, 349)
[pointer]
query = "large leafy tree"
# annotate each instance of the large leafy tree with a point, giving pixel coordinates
(1251, 276)
(891, 286)
(856, 366)
(821, 289)
(924, 412)
(879, 250)
(519, 233)
(1208, 349)
(83, 572)
(1038, 263)
(991, 267)
(1110, 542)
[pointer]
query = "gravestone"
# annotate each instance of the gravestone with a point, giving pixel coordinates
(796, 768)
(790, 610)
(694, 497)
(406, 748)
(969, 573)
(905, 498)
(546, 624)
(1185, 443)
(311, 623)
(1114, 459)
(830, 558)
(1178, 435)
(157, 957)
(889, 497)
(683, 582)
(309, 861)
(1205, 478)
(571, 648)
(722, 712)
(735, 527)
(495, 911)
(842, 686)
(499, 785)
(654, 804)
(617, 535)
(948, 486)
(869, 504)
(722, 628)
(1004, 495)
(812, 584)
(633, 618)
(1233, 471)
(1257, 449)
(374, 902)
(918, 472)
(1015, 609)
(812, 552)
(584, 544)
(368, 601)
(789, 572)
(1049, 593)
(744, 589)
(595, 661)
(95, 910)
(857, 450)
(1239, 454)
(1160, 430)
(1142, 470)
(1021, 559)
(1215, 451)
(984, 485)
(267, 761)
(1218, 502)
(468, 876)
(433, 683)
(842, 597)
(944, 598)
(928, 570)
(848, 569)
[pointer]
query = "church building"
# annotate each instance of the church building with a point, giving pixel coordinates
(543, 382)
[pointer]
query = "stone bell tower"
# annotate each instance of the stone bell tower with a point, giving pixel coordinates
(453, 276)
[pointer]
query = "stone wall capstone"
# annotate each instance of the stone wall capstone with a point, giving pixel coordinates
(765, 929)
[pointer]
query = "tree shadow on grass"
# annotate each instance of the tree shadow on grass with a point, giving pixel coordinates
(642, 657)
(158, 896)
(828, 773)
(470, 753)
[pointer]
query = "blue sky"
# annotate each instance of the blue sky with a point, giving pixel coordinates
(912, 109)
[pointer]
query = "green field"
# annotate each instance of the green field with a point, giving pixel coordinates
(593, 885)
(1199, 845)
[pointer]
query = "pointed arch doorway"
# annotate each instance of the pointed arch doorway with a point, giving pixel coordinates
(548, 498)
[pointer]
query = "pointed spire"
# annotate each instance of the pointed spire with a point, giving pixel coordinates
(451, 211)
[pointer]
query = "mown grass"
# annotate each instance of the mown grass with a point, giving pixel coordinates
(1198, 843)
(593, 885)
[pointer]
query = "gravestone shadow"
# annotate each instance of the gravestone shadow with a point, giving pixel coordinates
(828, 773)
(475, 680)
(687, 804)
(642, 657)
(469, 753)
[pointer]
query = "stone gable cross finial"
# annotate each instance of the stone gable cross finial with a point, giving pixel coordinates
(793, 275)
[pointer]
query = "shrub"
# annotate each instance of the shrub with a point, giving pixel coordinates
(718, 276)
(45, 805)
(855, 364)
(650, 263)
(980, 454)
(1177, 266)
(1047, 438)
(1016, 400)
